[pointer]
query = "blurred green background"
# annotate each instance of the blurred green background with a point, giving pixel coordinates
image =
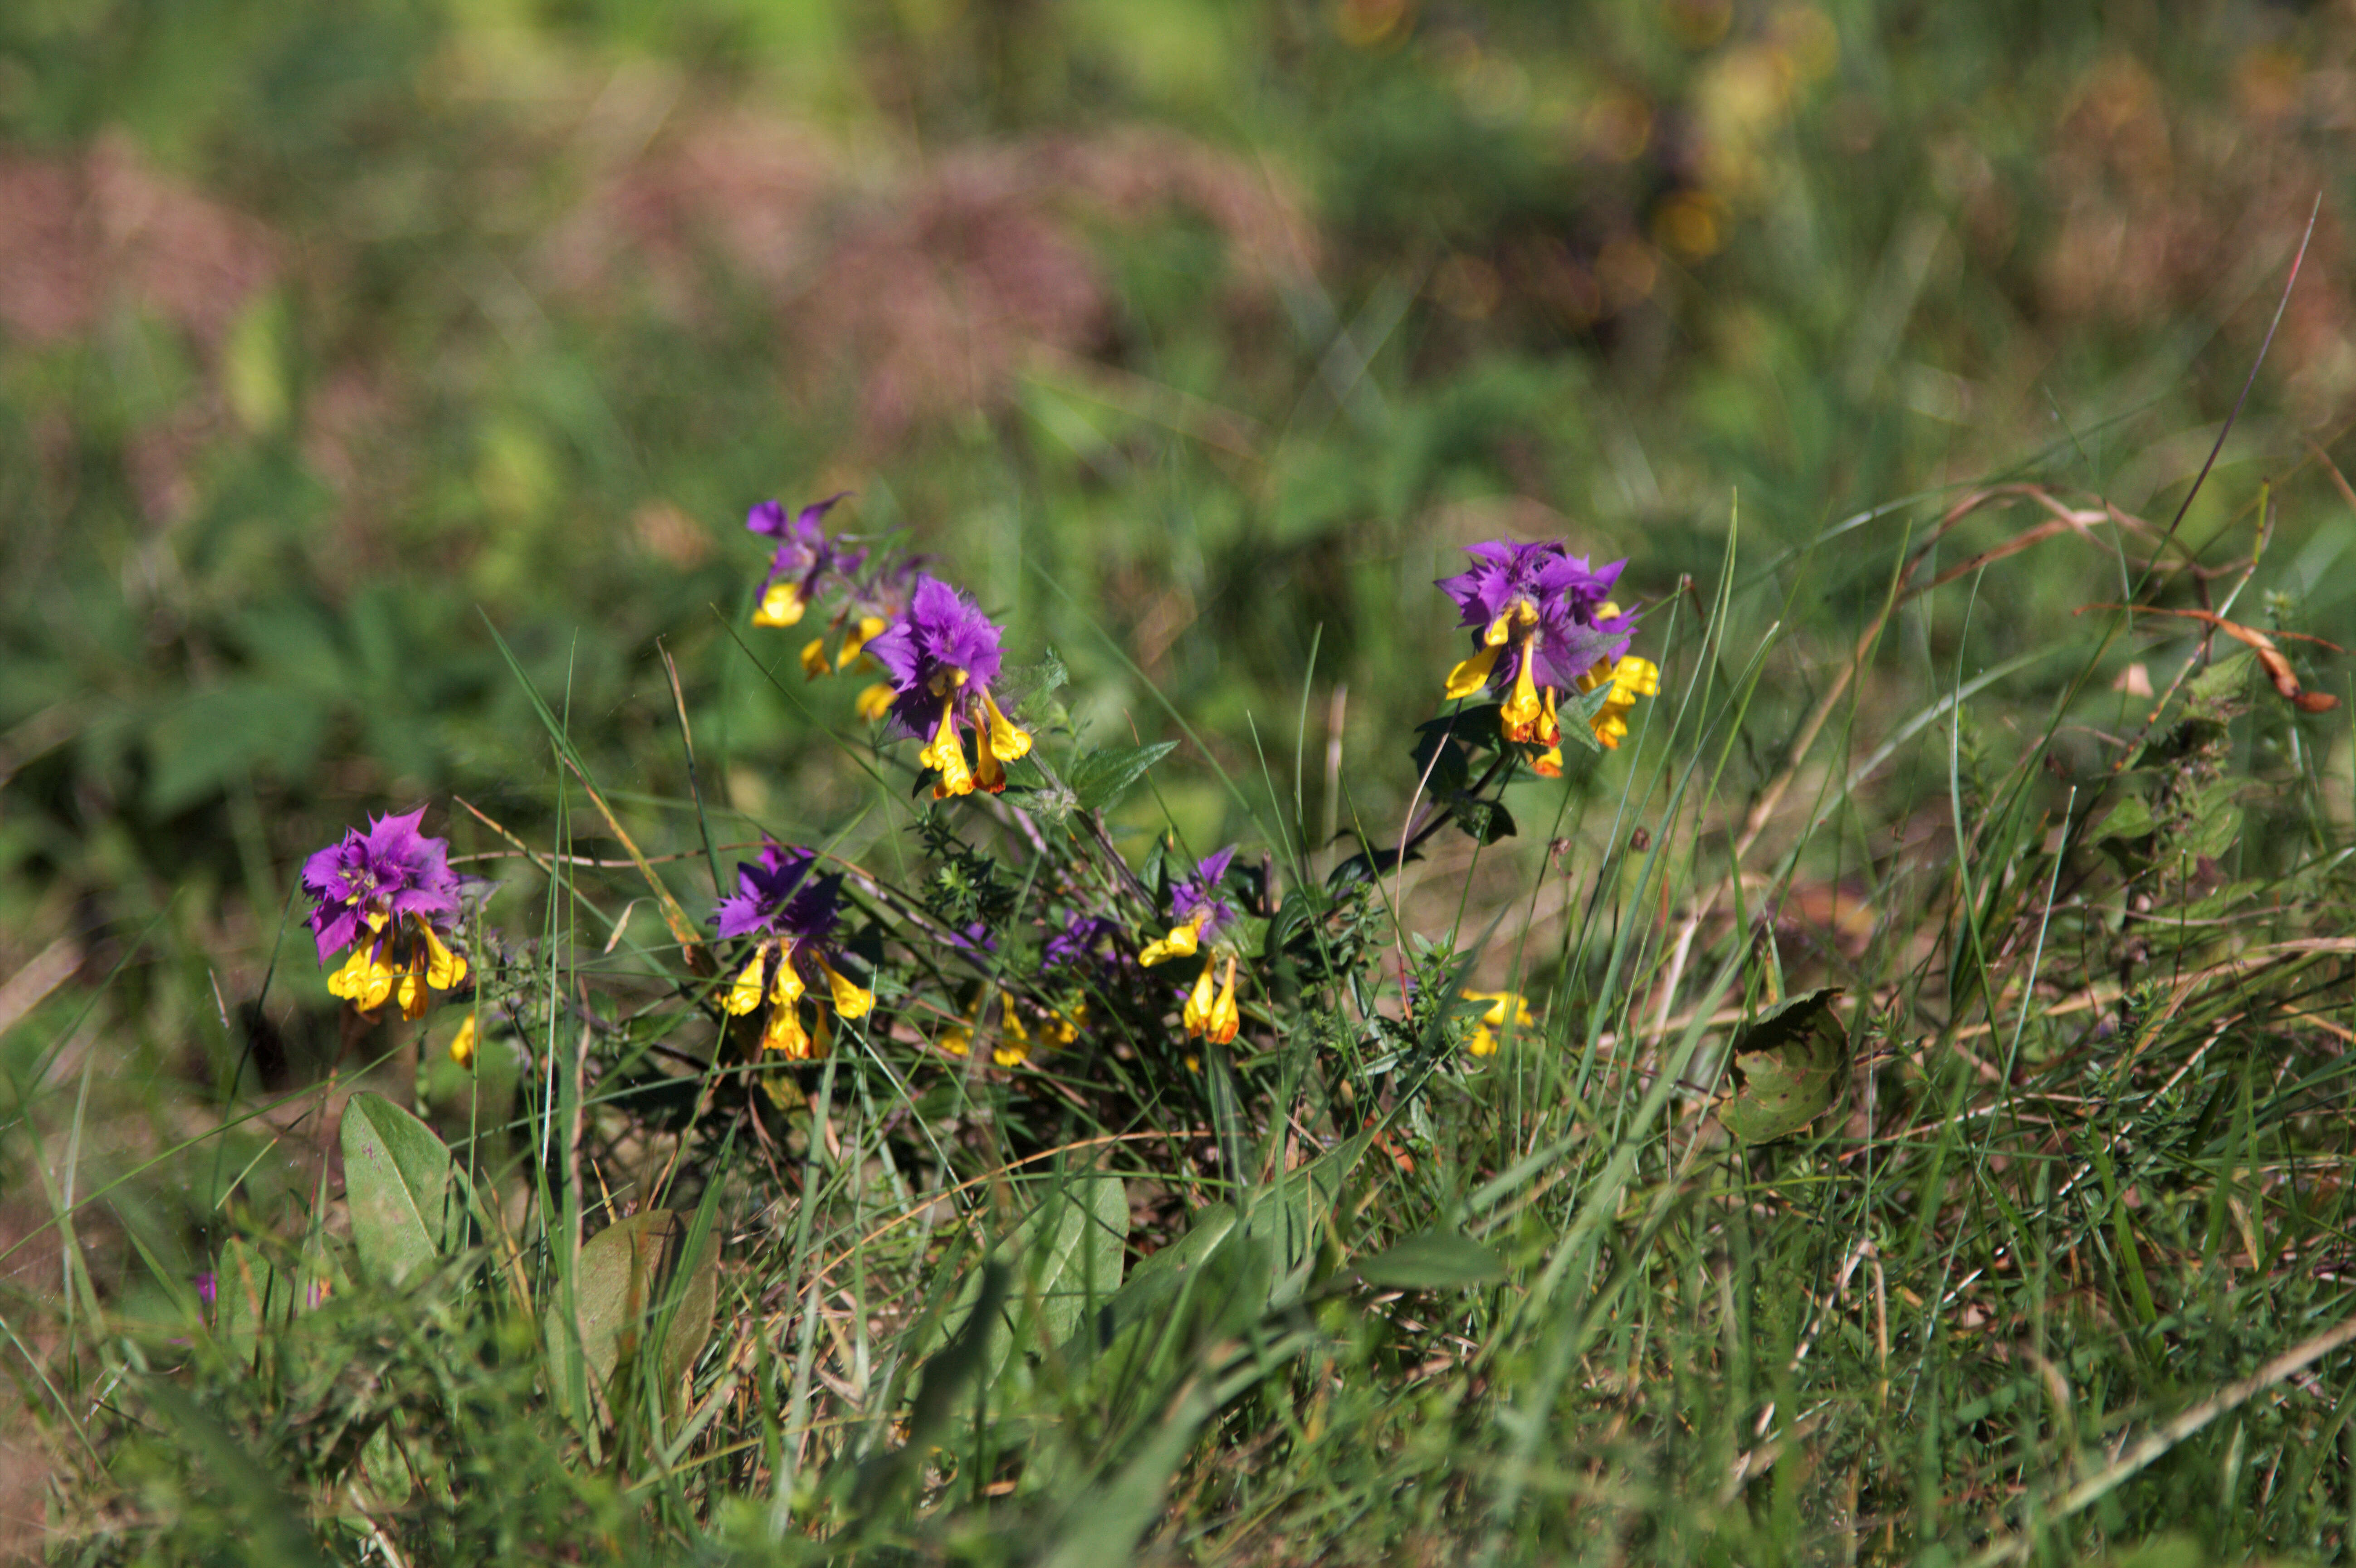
(1192, 334)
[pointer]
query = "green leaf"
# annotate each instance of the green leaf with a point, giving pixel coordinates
(1435, 1260)
(398, 1180)
(1105, 1523)
(1103, 776)
(2132, 819)
(249, 1294)
(1788, 1068)
(628, 1271)
(1485, 821)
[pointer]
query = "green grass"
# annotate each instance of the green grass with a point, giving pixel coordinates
(2061, 1275)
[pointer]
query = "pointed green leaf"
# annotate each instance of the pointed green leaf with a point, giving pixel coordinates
(1435, 1260)
(1103, 776)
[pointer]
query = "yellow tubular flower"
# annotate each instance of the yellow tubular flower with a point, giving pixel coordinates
(1199, 1003)
(814, 663)
(780, 606)
(875, 701)
(445, 970)
(1522, 709)
(1224, 1018)
(1501, 1005)
(790, 987)
(462, 1044)
(851, 1000)
(1632, 677)
(1013, 1041)
(988, 772)
(1611, 726)
(1548, 763)
(946, 756)
(365, 980)
(1008, 739)
(1180, 943)
(784, 1033)
(868, 629)
(410, 989)
(744, 995)
(1472, 674)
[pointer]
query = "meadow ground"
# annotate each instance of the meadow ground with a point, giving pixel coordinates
(1892, 1104)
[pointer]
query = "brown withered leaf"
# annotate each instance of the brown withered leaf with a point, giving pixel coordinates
(2276, 666)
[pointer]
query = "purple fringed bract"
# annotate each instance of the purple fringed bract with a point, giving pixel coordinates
(1566, 592)
(1086, 941)
(369, 880)
(1196, 898)
(804, 552)
(942, 631)
(782, 895)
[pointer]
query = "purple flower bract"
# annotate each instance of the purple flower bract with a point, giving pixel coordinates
(782, 895)
(368, 881)
(943, 648)
(1196, 898)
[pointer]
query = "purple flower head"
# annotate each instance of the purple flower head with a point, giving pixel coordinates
(804, 552)
(782, 895)
(1197, 899)
(1086, 942)
(369, 880)
(943, 648)
(1547, 599)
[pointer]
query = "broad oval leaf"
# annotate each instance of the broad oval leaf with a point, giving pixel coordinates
(628, 1271)
(1789, 1067)
(1434, 1260)
(399, 1181)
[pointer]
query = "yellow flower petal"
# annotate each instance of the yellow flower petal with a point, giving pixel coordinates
(1472, 674)
(780, 606)
(1225, 1016)
(875, 701)
(1522, 709)
(462, 1044)
(745, 994)
(946, 756)
(409, 988)
(1180, 943)
(1008, 739)
(445, 970)
(814, 663)
(351, 980)
(784, 1033)
(851, 1000)
(868, 628)
(988, 771)
(1482, 1042)
(790, 987)
(1198, 1013)
(1632, 677)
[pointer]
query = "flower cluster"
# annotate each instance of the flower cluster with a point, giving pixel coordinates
(1202, 914)
(941, 656)
(791, 909)
(1545, 632)
(938, 651)
(1545, 625)
(390, 895)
